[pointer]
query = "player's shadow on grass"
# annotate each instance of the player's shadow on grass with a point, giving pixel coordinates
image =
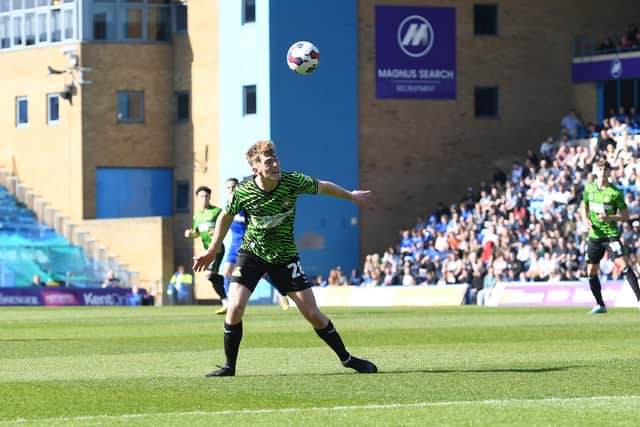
(492, 370)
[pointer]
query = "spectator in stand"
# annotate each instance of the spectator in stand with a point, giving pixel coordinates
(546, 148)
(37, 281)
(355, 279)
(407, 278)
(320, 281)
(606, 45)
(489, 283)
(572, 124)
(621, 115)
(111, 281)
(605, 139)
(334, 278)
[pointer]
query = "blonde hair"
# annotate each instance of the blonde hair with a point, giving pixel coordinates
(267, 148)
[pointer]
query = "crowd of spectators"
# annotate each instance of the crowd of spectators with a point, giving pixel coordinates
(629, 40)
(522, 226)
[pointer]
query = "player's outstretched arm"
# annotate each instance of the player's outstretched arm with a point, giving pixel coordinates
(200, 262)
(331, 189)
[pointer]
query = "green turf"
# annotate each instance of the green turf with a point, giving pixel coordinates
(438, 366)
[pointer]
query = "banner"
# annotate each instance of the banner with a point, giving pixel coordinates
(32, 296)
(560, 294)
(20, 296)
(389, 296)
(609, 67)
(415, 52)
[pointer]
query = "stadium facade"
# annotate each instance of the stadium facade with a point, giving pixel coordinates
(179, 90)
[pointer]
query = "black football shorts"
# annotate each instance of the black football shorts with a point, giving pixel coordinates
(596, 248)
(285, 277)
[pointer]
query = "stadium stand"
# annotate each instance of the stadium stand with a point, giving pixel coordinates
(525, 229)
(29, 247)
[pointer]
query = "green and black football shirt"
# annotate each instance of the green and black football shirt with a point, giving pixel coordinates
(270, 215)
(204, 221)
(609, 200)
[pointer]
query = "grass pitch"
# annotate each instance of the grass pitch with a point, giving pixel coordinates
(438, 366)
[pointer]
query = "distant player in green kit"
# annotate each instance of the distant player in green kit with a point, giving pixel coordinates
(603, 206)
(268, 246)
(204, 221)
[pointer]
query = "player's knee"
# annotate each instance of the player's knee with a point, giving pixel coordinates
(236, 311)
(312, 314)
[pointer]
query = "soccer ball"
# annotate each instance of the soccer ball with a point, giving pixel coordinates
(303, 57)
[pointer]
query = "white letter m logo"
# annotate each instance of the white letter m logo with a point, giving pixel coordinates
(415, 36)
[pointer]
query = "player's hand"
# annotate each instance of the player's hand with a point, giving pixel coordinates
(188, 233)
(202, 261)
(361, 197)
(603, 216)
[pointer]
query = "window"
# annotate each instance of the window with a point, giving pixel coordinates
(22, 117)
(620, 93)
(183, 195)
(182, 107)
(104, 22)
(130, 107)
(181, 17)
(42, 27)
(53, 109)
(17, 30)
(158, 20)
(30, 29)
(68, 23)
(485, 19)
(486, 100)
(248, 11)
(249, 100)
(5, 36)
(55, 26)
(132, 23)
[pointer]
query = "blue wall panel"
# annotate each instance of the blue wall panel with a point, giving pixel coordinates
(133, 192)
(314, 121)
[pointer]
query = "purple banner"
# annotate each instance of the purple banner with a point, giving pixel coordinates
(20, 296)
(64, 297)
(516, 294)
(610, 69)
(415, 52)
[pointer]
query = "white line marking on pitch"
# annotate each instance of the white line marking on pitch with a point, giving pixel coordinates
(327, 408)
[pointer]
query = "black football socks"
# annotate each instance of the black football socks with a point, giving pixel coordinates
(333, 340)
(633, 281)
(596, 289)
(232, 338)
